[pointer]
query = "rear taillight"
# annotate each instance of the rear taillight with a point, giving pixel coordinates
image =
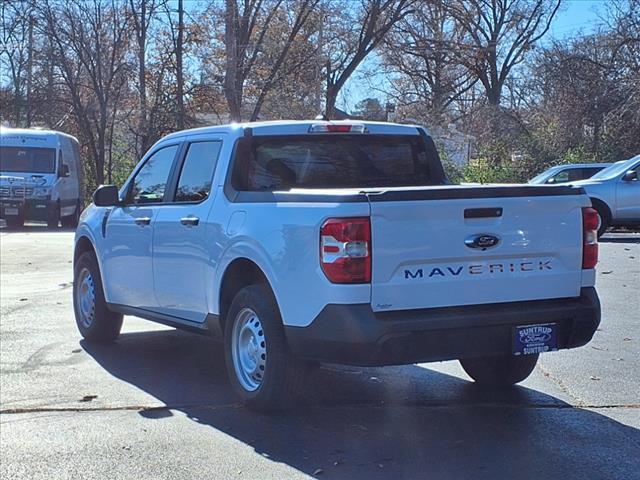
(589, 238)
(345, 250)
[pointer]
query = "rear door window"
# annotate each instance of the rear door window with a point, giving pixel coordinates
(278, 163)
(196, 176)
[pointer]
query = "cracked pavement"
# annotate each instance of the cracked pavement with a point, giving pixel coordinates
(157, 404)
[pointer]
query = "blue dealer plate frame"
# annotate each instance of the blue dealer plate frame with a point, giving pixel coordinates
(533, 339)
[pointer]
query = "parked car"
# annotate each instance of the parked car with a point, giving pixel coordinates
(40, 177)
(615, 194)
(568, 173)
(313, 241)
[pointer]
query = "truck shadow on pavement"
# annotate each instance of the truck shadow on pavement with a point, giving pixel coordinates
(393, 422)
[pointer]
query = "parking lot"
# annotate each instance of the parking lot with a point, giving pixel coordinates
(157, 404)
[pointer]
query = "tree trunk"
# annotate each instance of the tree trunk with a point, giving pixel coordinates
(231, 46)
(143, 127)
(179, 72)
(30, 68)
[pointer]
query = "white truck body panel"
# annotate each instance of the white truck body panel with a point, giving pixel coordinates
(420, 258)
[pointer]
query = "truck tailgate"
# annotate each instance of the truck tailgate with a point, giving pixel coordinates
(475, 245)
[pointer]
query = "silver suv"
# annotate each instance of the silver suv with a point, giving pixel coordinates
(615, 194)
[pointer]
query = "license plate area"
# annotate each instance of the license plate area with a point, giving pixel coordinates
(11, 211)
(532, 339)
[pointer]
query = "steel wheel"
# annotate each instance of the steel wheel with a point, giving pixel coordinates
(249, 349)
(86, 297)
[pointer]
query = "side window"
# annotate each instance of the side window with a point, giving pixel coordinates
(560, 177)
(577, 174)
(150, 182)
(68, 147)
(196, 176)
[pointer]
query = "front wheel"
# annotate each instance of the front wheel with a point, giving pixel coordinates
(94, 320)
(15, 222)
(261, 369)
(53, 218)
(72, 220)
(499, 371)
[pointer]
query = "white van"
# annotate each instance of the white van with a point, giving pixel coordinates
(40, 177)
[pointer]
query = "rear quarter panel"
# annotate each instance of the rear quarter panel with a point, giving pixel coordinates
(283, 240)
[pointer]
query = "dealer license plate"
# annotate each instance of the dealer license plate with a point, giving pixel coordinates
(532, 339)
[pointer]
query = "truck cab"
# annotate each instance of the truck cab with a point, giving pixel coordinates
(40, 177)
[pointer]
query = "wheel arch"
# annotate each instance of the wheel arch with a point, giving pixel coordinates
(239, 273)
(83, 245)
(603, 206)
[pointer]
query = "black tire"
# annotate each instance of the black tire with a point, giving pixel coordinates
(604, 214)
(53, 217)
(283, 373)
(499, 371)
(104, 325)
(72, 220)
(15, 222)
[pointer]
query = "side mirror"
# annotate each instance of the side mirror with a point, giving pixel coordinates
(630, 176)
(64, 170)
(106, 196)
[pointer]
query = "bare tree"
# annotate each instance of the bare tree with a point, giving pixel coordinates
(499, 33)
(142, 14)
(90, 41)
(280, 66)
(354, 31)
(15, 52)
(421, 62)
(247, 26)
(180, 67)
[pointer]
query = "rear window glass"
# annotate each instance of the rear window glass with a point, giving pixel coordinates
(27, 159)
(280, 163)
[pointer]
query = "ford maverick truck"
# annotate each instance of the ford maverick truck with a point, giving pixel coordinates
(336, 241)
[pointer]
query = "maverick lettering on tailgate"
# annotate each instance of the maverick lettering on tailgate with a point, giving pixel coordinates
(477, 269)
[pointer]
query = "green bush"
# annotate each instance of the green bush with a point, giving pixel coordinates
(484, 171)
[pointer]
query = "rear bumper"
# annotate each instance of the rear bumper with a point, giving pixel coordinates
(354, 334)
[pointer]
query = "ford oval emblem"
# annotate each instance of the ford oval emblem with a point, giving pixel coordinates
(482, 241)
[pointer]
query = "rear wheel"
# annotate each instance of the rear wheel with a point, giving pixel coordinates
(604, 217)
(499, 371)
(261, 369)
(95, 321)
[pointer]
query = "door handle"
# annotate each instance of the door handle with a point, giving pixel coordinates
(143, 221)
(493, 212)
(190, 221)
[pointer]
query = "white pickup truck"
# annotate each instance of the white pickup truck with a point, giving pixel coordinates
(315, 241)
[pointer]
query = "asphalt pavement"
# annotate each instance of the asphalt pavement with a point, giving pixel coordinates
(157, 403)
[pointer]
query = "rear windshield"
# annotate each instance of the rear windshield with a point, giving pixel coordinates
(278, 163)
(27, 159)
